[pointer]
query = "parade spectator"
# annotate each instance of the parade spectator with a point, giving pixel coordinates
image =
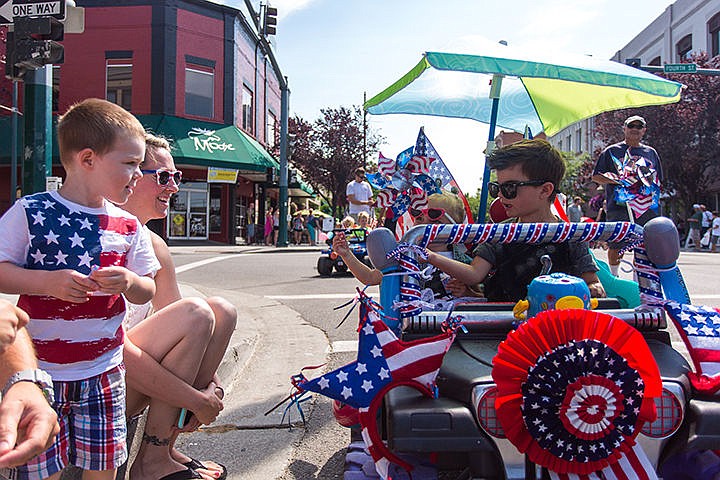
(28, 423)
(269, 226)
(359, 194)
(629, 151)
(298, 227)
(276, 226)
(311, 223)
(363, 220)
(250, 222)
(72, 247)
(715, 234)
(706, 219)
(575, 212)
(694, 227)
(528, 175)
(171, 354)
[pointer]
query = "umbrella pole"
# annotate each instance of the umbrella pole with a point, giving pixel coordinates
(495, 88)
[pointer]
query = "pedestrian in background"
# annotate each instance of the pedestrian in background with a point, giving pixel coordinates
(694, 226)
(269, 226)
(311, 224)
(628, 152)
(359, 195)
(575, 212)
(715, 233)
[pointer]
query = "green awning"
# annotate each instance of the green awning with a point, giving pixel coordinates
(208, 144)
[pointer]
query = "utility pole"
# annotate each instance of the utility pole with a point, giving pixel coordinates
(364, 132)
(37, 155)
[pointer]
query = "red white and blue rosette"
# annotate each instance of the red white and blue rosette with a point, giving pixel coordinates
(574, 389)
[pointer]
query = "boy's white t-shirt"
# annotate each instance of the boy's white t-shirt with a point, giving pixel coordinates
(716, 226)
(47, 232)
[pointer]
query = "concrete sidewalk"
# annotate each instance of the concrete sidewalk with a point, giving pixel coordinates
(271, 343)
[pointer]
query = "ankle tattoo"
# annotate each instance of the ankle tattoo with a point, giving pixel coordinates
(153, 440)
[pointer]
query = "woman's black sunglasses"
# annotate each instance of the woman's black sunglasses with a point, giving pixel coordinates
(163, 176)
(509, 189)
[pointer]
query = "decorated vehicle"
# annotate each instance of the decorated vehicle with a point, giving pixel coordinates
(330, 260)
(564, 394)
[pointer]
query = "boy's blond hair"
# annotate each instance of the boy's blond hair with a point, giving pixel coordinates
(363, 214)
(450, 202)
(95, 124)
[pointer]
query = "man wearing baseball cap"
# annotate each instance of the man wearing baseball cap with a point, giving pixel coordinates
(626, 155)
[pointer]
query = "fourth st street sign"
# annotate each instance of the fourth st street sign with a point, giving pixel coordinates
(11, 9)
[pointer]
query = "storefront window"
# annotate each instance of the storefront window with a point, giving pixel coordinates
(189, 212)
(215, 213)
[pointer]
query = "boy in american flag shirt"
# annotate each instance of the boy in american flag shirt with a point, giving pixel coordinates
(72, 256)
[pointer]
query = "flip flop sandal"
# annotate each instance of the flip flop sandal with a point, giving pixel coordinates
(197, 464)
(182, 475)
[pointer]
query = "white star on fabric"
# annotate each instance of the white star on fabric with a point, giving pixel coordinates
(64, 220)
(707, 330)
(593, 351)
(76, 240)
(84, 223)
(39, 257)
(346, 392)
(38, 218)
(384, 373)
(342, 376)
(376, 351)
(691, 330)
(51, 237)
(367, 385)
(48, 204)
(324, 383)
(361, 368)
(60, 257)
(368, 329)
(85, 259)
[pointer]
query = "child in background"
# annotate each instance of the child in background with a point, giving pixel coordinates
(72, 256)
(528, 174)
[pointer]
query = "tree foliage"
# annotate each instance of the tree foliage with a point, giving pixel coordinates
(686, 134)
(328, 151)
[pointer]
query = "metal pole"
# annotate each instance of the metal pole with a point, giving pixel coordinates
(37, 155)
(364, 132)
(284, 101)
(13, 143)
(495, 95)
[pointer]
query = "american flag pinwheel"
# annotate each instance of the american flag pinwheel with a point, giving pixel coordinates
(404, 182)
(638, 183)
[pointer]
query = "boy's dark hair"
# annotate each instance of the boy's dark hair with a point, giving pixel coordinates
(360, 172)
(538, 159)
(94, 123)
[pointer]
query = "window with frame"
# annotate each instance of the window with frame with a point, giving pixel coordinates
(271, 139)
(200, 91)
(714, 32)
(118, 82)
(655, 61)
(684, 47)
(247, 110)
(578, 140)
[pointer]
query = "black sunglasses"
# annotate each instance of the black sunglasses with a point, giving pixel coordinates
(163, 176)
(432, 213)
(509, 189)
(636, 126)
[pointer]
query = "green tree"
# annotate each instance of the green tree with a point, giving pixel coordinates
(328, 151)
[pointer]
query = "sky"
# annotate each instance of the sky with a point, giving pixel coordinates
(334, 51)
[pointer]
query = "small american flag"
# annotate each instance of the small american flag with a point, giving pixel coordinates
(386, 166)
(699, 327)
(439, 171)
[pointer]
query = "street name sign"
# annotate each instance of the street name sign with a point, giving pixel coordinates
(680, 68)
(11, 9)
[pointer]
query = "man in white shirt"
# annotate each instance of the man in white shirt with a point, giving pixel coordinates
(359, 195)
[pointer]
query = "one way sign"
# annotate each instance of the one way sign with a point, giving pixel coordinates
(11, 9)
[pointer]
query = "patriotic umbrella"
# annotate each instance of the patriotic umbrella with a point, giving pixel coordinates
(543, 90)
(404, 183)
(699, 327)
(574, 389)
(384, 362)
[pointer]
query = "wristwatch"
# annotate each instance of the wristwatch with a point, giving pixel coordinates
(39, 377)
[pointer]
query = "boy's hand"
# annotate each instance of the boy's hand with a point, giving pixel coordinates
(340, 244)
(71, 286)
(112, 280)
(597, 290)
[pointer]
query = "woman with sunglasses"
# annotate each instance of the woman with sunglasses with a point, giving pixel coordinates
(171, 354)
(528, 173)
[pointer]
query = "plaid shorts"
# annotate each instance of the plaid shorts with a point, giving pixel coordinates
(91, 414)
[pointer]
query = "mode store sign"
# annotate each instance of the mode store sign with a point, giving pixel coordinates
(11, 9)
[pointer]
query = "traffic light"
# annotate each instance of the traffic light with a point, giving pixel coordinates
(292, 176)
(633, 62)
(271, 175)
(34, 43)
(290, 145)
(270, 21)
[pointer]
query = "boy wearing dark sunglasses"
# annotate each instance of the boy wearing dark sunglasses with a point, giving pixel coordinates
(528, 175)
